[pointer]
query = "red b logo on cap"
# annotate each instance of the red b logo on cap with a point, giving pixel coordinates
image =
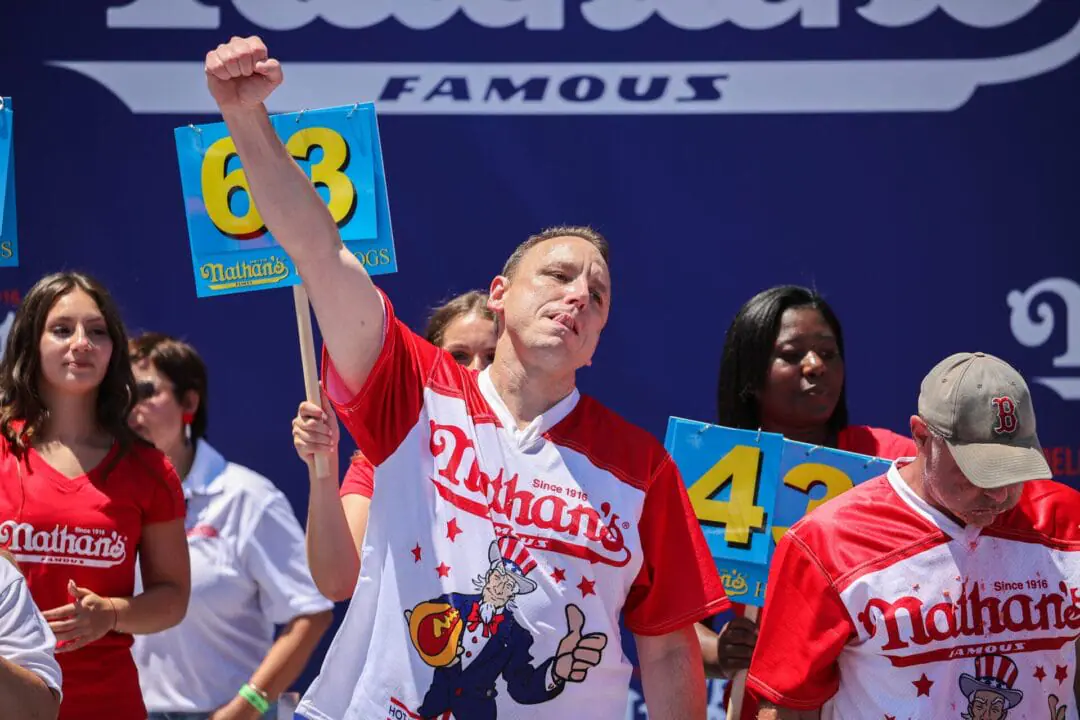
(1007, 421)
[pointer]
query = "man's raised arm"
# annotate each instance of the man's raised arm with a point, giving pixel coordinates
(241, 75)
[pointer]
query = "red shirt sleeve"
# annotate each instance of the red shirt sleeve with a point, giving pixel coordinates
(388, 406)
(165, 499)
(803, 629)
(678, 583)
(359, 478)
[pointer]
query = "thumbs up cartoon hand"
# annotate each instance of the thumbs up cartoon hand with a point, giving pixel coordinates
(1056, 713)
(577, 653)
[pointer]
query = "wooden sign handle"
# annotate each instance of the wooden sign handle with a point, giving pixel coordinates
(311, 369)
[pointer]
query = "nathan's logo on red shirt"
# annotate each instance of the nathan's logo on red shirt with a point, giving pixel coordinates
(585, 532)
(907, 621)
(1007, 422)
(89, 547)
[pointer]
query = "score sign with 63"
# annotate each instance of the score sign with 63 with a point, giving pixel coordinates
(748, 487)
(231, 249)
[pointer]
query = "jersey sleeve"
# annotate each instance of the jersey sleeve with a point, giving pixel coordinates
(678, 583)
(803, 629)
(359, 478)
(25, 637)
(389, 404)
(166, 495)
(273, 555)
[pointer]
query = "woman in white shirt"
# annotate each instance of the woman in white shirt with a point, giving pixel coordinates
(248, 568)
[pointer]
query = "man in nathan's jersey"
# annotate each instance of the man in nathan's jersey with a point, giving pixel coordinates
(947, 588)
(514, 522)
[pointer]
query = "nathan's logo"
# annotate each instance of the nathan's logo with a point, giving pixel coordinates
(89, 547)
(583, 531)
(1037, 332)
(908, 622)
(499, 85)
(243, 274)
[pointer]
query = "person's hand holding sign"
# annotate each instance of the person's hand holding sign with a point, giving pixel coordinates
(241, 74)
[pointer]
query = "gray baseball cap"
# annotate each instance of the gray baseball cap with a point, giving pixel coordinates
(982, 407)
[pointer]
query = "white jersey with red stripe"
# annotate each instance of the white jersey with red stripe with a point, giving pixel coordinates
(492, 553)
(881, 606)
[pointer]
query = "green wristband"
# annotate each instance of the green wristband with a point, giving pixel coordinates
(256, 700)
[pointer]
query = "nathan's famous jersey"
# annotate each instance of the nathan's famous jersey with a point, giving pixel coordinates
(880, 606)
(497, 561)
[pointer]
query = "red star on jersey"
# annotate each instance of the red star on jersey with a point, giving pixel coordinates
(452, 529)
(1039, 673)
(558, 575)
(923, 685)
(416, 553)
(443, 570)
(1062, 673)
(586, 587)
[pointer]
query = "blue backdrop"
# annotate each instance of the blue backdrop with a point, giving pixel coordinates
(913, 161)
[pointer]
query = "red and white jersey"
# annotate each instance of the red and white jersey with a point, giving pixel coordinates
(890, 609)
(491, 552)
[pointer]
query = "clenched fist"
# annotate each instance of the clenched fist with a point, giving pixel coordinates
(241, 74)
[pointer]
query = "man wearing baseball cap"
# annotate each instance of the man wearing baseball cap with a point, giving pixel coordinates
(880, 600)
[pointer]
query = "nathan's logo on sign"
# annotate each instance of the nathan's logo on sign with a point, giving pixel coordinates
(569, 524)
(1033, 324)
(908, 623)
(441, 83)
(219, 276)
(89, 547)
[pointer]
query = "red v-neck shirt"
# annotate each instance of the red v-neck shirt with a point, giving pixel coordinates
(87, 529)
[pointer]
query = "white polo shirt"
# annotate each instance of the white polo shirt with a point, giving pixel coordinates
(25, 637)
(249, 572)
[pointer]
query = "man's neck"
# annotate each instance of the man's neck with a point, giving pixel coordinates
(527, 392)
(912, 474)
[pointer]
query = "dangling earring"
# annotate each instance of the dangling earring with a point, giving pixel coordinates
(188, 419)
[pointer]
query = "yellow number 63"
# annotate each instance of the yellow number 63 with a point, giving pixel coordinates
(218, 186)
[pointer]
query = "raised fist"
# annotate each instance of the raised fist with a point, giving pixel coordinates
(241, 74)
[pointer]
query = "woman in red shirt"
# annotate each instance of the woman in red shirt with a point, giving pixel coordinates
(782, 371)
(81, 496)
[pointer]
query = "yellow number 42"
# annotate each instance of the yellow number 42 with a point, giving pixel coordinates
(739, 516)
(219, 186)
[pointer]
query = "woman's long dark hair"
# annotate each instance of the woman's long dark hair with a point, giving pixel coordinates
(748, 350)
(23, 413)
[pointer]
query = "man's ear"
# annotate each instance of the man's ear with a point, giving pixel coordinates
(920, 432)
(496, 299)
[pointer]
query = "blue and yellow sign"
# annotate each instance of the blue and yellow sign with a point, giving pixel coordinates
(231, 249)
(9, 244)
(749, 487)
